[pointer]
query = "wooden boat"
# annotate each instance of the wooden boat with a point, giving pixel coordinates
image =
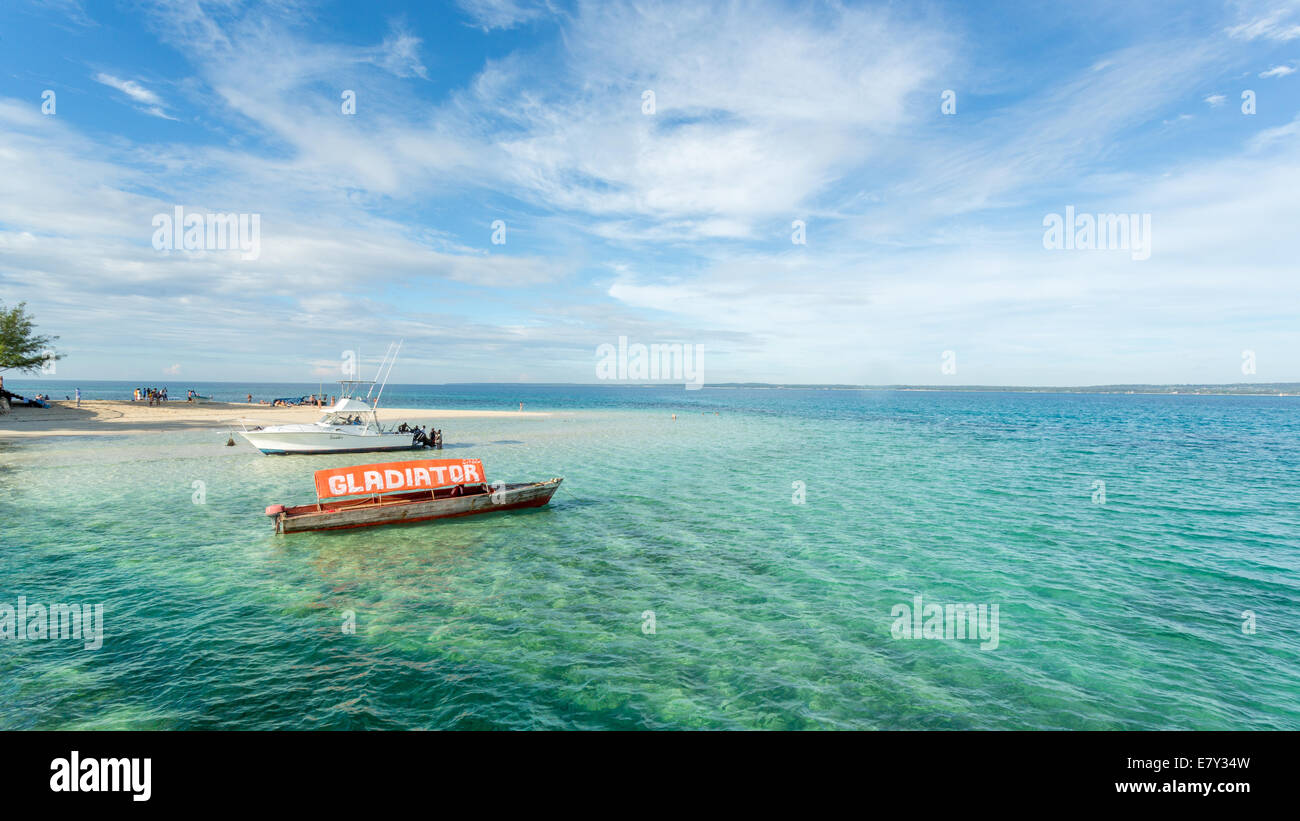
(401, 492)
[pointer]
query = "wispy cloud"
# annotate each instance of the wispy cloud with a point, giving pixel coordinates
(150, 103)
(502, 14)
(1279, 23)
(744, 129)
(399, 54)
(73, 11)
(1278, 71)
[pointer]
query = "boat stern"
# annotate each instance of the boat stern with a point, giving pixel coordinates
(278, 514)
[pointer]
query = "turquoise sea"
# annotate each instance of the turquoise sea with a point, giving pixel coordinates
(1128, 612)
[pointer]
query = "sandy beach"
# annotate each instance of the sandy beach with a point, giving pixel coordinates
(105, 417)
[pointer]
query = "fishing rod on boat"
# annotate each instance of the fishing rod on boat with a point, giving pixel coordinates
(389, 372)
(380, 368)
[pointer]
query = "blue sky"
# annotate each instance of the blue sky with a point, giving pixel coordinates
(924, 229)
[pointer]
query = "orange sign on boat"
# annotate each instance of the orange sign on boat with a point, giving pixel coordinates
(390, 477)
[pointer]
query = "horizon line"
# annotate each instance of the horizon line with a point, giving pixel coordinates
(649, 384)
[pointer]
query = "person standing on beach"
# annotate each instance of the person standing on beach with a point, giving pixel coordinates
(78, 397)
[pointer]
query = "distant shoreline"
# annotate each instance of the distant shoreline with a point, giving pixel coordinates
(1173, 389)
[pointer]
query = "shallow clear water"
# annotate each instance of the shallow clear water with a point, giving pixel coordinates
(768, 614)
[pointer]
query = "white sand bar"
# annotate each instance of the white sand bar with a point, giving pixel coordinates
(114, 417)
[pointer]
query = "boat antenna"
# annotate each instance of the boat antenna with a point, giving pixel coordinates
(391, 363)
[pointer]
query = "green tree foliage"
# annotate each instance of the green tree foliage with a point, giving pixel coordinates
(21, 348)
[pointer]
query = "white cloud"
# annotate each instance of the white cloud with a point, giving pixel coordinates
(1216, 99)
(1279, 24)
(1278, 71)
(1007, 303)
(72, 11)
(502, 14)
(130, 88)
(150, 103)
(82, 253)
(400, 55)
(746, 128)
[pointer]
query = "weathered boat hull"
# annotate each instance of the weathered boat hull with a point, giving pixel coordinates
(417, 506)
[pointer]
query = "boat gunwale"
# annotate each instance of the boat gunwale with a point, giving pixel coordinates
(524, 495)
(400, 499)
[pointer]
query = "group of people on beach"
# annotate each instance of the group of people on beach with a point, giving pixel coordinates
(154, 396)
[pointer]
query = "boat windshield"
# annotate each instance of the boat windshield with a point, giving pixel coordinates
(344, 418)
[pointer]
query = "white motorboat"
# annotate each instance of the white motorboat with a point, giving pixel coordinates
(350, 425)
